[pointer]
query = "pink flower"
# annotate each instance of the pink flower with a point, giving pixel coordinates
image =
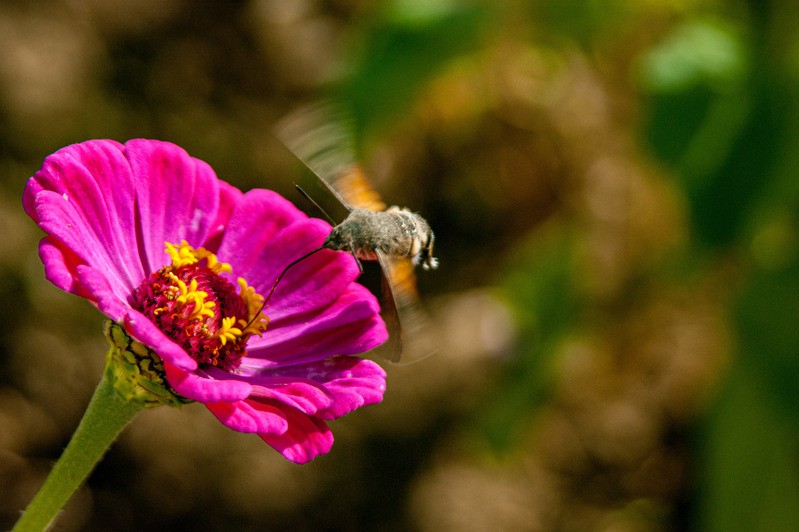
(160, 245)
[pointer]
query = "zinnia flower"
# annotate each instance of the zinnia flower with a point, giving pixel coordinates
(178, 258)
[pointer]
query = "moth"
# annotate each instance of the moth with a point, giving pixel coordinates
(396, 238)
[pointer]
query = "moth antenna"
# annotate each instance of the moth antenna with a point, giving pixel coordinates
(279, 277)
(319, 207)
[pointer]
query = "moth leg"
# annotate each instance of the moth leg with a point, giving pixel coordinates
(357, 260)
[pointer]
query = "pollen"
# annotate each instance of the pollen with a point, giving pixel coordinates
(202, 310)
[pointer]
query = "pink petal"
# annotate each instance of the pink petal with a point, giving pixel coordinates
(208, 385)
(311, 284)
(102, 293)
(307, 397)
(113, 207)
(251, 416)
(258, 216)
(60, 266)
(58, 166)
(142, 329)
(350, 325)
(354, 382)
(306, 438)
(229, 196)
(177, 198)
(72, 201)
(347, 382)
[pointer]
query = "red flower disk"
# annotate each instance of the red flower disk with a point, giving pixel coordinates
(159, 244)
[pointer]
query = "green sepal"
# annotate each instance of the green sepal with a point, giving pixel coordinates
(137, 373)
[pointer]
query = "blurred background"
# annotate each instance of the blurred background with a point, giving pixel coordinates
(614, 190)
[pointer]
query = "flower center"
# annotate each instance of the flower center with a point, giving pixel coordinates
(199, 309)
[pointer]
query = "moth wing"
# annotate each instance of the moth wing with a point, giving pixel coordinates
(321, 136)
(410, 337)
(389, 311)
(354, 186)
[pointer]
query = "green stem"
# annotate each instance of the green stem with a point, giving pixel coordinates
(107, 414)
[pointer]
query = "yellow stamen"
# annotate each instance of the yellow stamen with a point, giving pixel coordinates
(257, 322)
(182, 255)
(227, 331)
(186, 294)
(185, 255)
(190, 294)
(212, 262)
(231, 329)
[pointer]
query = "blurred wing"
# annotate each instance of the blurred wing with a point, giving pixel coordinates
(321, 136)
(356, 189)
(392, 349)
(407, 323)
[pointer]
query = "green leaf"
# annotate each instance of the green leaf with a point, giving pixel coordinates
(699, 52)
(584, 21)
(749, 475)
(714, 120)
(767, 320)
(541, 289)
(402, 52)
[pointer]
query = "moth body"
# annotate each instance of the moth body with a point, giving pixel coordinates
(396, 233)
